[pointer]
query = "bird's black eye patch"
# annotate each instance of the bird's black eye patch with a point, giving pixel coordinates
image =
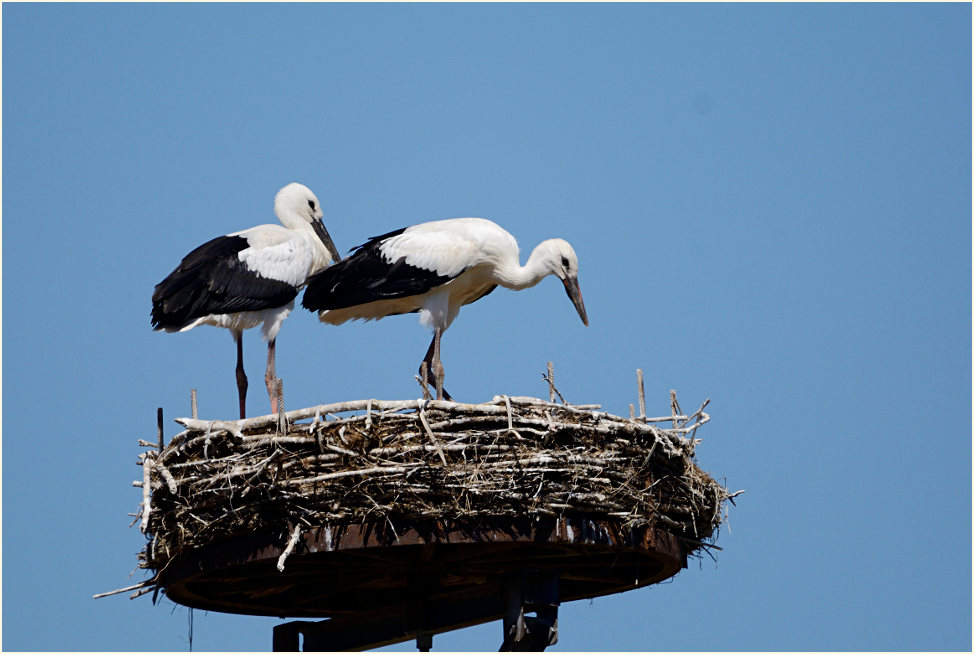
(311, 203)
(564, 261)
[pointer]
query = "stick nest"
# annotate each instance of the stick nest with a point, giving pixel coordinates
(423, 460)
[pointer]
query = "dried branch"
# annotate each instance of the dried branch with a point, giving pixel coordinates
(146, 494)
(142, 584)
(295, 535)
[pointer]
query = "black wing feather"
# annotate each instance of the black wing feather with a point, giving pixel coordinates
(212, 280)
(366, 276)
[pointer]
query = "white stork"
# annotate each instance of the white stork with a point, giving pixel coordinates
(246, 278)
(435, 268)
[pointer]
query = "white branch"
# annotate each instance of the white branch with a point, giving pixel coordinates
(436, 443)
(146, 493)
(170, 480)
(388, 470)
(295, 535)
(141, 584)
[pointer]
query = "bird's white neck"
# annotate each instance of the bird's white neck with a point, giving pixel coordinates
(292, 220)
(514, 276)
(297, 223)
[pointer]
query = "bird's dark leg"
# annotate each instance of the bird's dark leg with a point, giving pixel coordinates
(241, 375)
(428, 360)
(270, 377)
(435, 366)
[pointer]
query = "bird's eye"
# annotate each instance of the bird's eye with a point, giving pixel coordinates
(311, 203)
(564, 261)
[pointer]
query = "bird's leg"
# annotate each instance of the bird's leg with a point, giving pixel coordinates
(435, 366)
(241, 375)
(424, 381)
(428, 360)
(270, 377)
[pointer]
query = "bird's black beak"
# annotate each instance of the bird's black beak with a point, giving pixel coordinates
(322, 233)
(575, 294)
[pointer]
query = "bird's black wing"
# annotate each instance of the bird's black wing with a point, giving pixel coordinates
(366, 276)
(212, 280)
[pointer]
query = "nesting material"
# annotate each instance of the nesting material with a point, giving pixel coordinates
(422, 460)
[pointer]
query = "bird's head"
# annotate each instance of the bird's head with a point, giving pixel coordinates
(561, 261)
(297, 202)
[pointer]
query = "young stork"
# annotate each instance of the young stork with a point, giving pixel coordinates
(246, 278)
(435, 268)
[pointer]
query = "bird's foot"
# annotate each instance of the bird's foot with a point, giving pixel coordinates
(443, 395)
(275, 392)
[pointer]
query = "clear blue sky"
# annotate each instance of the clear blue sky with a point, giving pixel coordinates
(771, 205)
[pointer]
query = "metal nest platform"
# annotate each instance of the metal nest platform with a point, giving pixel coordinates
(399, 520)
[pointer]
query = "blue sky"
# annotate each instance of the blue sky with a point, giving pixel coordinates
(771, 205)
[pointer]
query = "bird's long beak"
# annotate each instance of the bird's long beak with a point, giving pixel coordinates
(322, 233)
(575, 294)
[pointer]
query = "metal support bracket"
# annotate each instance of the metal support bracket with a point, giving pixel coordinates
(521, 595)
(532, 591)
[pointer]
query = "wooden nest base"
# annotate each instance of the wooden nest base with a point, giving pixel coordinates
(337, 467)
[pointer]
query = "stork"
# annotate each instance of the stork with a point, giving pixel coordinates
(248, 278)
(435, 268)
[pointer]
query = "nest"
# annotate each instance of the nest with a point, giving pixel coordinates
(421, 460)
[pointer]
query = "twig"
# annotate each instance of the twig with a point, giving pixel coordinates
(231, 427)
(387, 470)
(642, 392)
(524, 400)
(295, 535)
(731, 496)
(141, 584)
(704, 419)
(550, 378)
(551, 382)
(510, 419)
(146, 491)
(144, 591)
(674, 408)
(436, 444)
(696, 413)
(341, 450)
(170, 480)
(700, 543)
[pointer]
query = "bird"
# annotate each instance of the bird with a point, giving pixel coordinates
(434, 268)
(248, 278)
